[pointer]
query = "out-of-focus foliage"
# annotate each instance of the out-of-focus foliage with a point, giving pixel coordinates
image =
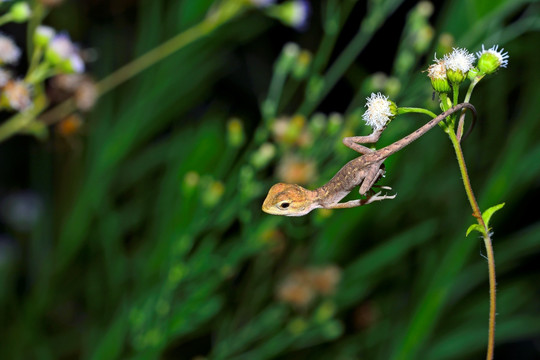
(151, 242)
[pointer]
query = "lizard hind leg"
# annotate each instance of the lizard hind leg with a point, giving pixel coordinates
(373, 174)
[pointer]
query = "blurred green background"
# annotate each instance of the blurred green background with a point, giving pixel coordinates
(142, 236)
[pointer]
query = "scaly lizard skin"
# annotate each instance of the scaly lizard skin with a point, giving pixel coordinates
(364, 171)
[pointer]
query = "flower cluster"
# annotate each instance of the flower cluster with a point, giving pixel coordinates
(457, 66)
(53, 55)
(446, 75)
(15, 94)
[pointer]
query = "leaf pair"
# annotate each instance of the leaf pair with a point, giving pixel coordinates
(486, 216)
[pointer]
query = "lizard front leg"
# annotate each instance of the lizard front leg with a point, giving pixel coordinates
(353, 142)
(360, 202)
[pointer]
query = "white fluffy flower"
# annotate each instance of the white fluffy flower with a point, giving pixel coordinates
(459, 60)
(379, 111)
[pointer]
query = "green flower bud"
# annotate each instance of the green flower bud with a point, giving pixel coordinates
(474, 72)
(492, 59)
(288, 58)
(292, 13)
(456, 76)
(20, 12)
(43, 35)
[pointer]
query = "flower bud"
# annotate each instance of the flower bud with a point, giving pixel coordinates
(63, 53)
(492, 59)
(43, 35)
(20, 12)
(437, 75)
(474, 72)
(288, 58)
(292, 13)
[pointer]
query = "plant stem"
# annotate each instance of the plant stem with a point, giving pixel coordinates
(4, 19)
(21, 120)
(487, 241)
(467, 99)
(404, 110)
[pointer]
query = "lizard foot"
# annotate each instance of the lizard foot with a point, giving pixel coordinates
(377, 197)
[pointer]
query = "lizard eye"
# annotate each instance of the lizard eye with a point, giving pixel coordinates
(284, 204)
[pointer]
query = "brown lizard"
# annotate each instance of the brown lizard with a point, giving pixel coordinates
(363, 171)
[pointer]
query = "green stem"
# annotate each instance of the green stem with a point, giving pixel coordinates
(6, 18)
(39, 74)
(34, 61)
(38, 13)
(487, 241)
(405, 110)
(281, 70)
(21, 120)
(467, 99)
(455, 93)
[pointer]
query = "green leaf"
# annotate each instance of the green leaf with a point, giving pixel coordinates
(486, 216)
(489, 212)
(474, 227)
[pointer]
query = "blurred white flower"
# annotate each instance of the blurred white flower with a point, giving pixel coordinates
(9, 52)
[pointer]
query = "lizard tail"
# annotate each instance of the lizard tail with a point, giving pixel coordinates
(400, 144)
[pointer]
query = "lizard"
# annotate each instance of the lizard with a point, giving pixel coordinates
(364, 171)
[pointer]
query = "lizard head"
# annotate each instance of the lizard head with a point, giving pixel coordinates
(289, 200)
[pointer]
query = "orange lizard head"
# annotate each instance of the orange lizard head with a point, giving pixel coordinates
(289, 200)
